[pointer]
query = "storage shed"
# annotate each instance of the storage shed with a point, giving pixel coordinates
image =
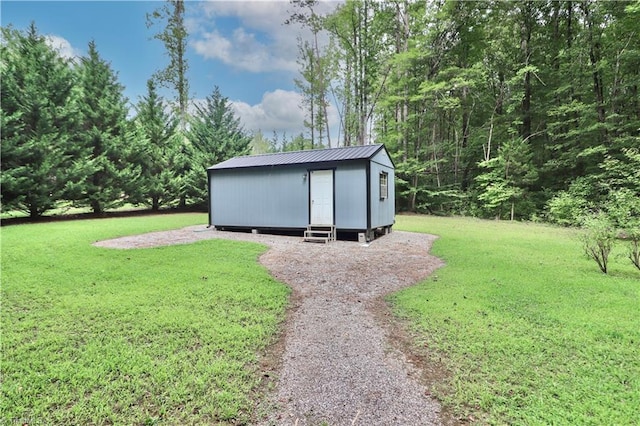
(348, 189)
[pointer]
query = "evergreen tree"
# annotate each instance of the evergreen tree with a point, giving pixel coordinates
(215, 135)
(174, 36)
(261, 145)
(38, 110)
(105, 141)
(158, 184)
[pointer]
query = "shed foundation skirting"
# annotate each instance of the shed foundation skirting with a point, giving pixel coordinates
(361, 235)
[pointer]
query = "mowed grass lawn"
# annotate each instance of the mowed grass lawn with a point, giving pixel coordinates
(166, 335)
(530, 331)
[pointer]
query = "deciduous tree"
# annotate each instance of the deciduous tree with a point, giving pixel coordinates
(174, 37)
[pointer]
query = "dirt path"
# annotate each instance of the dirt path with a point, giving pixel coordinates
(339, 364)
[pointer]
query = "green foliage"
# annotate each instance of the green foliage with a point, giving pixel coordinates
(492, 108)
(38, 117)
(174, 37)
(506, 178)
(357, 31)
(570, 206)
(103, 146)
(526, 333)
(315, 72)
(598, 238)
(553, 83)
(442, 200)
(158, 154)
(634, 249)
(297, 143)
(262, 145)
(215, 135)
(623, 171)
(624, 211)
(166, 335)
(620, 215)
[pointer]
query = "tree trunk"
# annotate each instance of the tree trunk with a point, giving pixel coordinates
(466, 116)
(34, 212)
(594, 58)
(414, 194)
(435, 154)
(525, 47)
(96, 207)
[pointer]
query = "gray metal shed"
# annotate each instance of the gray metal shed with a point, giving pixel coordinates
(350, 188)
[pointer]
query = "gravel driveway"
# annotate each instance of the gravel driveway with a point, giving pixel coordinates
(339, 365)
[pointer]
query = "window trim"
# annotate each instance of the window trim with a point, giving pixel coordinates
(384, 185)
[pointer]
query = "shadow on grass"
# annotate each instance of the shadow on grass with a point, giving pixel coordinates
(103, 215)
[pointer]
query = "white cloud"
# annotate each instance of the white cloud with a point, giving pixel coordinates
(63, 47)
(267, 15)
(252, 36)
(262, 42)
(242, 50)
(279, 111)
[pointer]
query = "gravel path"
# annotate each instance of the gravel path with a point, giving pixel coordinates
(339, 365)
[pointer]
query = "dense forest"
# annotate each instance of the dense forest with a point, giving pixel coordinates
(515, 110)
(521, 110)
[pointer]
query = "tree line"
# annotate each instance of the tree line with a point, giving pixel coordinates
(69, 137)
(517, 110)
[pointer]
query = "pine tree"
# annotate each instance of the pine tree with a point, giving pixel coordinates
(158, 184)
(105, 140)
(215, 135)
(38, 116)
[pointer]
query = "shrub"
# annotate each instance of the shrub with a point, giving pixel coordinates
(623, 207)
(634, 249)
(598, 238)
(569, 207)
(565, 208)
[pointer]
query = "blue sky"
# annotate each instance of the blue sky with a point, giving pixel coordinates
(241, 46)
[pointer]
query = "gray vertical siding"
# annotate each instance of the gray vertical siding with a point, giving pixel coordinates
(382, 211)
(351, 196)
(278, 196)
(265, 197)
(383, 159)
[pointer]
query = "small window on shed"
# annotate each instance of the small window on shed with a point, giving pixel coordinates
(384, 187)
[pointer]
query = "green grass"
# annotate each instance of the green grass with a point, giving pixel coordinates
(164, 335)
(530, 331)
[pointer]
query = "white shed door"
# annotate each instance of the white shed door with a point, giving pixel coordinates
(322, 197)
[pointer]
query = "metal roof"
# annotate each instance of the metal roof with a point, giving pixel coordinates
(363, 152)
